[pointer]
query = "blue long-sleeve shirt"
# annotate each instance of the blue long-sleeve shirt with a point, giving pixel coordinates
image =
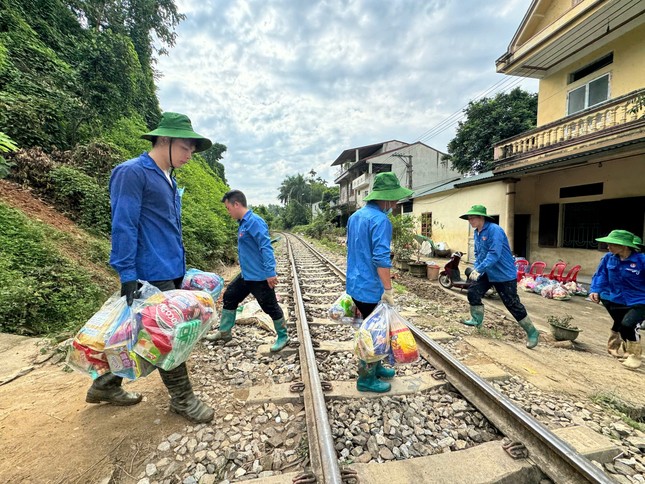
(493, 255)
(369, 233)
(621, 281)
(254, 248)
(146, 222)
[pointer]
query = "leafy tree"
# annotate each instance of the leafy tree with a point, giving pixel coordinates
(294, 187)
(265, 213)
(489, 121)
(212, 156)
(296, 213)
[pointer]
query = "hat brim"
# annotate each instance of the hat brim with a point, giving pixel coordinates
(389, 195)
(201, 143)
(612, 240)
(469, 214)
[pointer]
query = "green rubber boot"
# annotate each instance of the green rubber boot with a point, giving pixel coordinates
(283, 335)
(382, 372)
(367, 381)
(182, 399)
(476, 316)
(226, 323)
(107, 388)
(532, 334)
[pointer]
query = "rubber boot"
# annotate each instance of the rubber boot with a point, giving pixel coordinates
(367, 381)
(476, 316)
(635, 353)
(283, 335)
(226, 323)
(182, 399)
(532, 334)
(107, 388)
(615, 344)
(382, 372)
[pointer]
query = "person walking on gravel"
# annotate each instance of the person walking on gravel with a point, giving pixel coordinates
(494, 267)
(369, 233)
(258, 275)
(147, 245)
(619, 284)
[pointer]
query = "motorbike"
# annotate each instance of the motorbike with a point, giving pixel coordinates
(450, 276)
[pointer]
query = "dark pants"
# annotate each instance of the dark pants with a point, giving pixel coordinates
(627, 320)
(239, 289)
(507, 291)
(365, 308)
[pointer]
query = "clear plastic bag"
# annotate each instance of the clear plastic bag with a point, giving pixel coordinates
(342, 307)
(196, 280)
(403, 346)
(170, 324)
(372, 340)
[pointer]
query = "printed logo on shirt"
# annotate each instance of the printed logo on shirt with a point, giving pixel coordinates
(240, 235)
(484, 238)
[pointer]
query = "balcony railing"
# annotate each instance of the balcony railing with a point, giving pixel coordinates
(594, 120)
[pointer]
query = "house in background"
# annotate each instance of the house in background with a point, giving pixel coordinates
(579, 173)
(416, 165)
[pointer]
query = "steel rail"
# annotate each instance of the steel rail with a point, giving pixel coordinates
(555, 457)
(324, 458)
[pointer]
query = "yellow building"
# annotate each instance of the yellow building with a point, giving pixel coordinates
(581, 172)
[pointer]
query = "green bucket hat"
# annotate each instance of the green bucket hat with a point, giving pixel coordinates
(478, 210)
(175, 125)
(387, 187)
(620, 237)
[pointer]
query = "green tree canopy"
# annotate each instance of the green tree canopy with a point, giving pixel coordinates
(489, 121)
(212, 156)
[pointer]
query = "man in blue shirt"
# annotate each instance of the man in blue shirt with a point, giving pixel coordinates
(258, 275)
(369, 233)
(494, 266)
(147, 245)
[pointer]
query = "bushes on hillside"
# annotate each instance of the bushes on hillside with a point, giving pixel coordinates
(41, 291)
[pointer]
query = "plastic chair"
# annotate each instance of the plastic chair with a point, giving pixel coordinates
(557, 270)
(572, 275)
(521, 265)
(537, 269)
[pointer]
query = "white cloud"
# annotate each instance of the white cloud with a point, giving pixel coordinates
(287, 86)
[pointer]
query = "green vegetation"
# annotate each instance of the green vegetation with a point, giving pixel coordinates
(43, 290)
(631, 415)
(562, 322)
(489, 121)
(76, 92)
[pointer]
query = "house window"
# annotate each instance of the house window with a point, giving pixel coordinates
(406, 207)
(426, 224)
(381, 167)
(588, 95)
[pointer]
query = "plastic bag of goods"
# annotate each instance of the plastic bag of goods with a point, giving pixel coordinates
(403, 346)
(86, 360)
(526, 284)
(560, 293)
(196, 280)
(547, 291)
(170, 325)
(372, 340)
(343, 306)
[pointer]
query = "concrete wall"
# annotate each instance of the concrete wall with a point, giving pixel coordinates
(627, 74)
(446, 207)
(621, 178)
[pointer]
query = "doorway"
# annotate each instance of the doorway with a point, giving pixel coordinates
(521, 234)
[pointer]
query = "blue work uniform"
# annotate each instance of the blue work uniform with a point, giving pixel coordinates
(493, 255)
(621, 281)
(146, 222)
(254, 248)
(369, 234)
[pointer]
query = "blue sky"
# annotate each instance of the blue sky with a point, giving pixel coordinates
(288, 85)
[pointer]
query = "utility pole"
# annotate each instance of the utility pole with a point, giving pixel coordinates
(408, 166)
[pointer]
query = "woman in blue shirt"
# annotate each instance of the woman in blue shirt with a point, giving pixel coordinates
(619, 283)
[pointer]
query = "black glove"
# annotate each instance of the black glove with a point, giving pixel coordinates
(130, 290)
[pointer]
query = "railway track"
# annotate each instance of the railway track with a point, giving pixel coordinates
(295, 416)
(430, 396)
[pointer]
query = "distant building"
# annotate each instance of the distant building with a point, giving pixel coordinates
(417, 166)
